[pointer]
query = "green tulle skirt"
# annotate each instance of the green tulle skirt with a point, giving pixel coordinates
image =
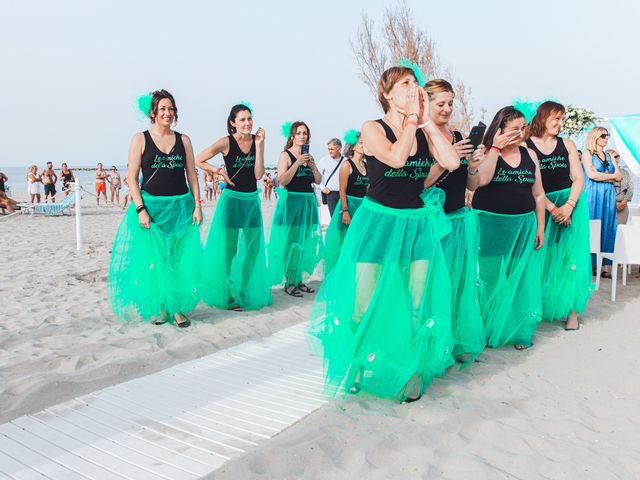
(234, 261)
(157, 269)
(510, 272)
(460, 249)
(382, 318)
(566, 284)
(336, 232)
(296, 239)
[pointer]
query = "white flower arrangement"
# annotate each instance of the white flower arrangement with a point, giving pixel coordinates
(577, 120)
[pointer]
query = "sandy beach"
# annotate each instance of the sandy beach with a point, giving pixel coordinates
(58, 336)
(567, 408)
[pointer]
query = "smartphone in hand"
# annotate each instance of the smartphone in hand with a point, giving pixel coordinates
(476, 134)
(304, 149)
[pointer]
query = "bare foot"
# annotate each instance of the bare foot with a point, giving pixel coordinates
(572, 322)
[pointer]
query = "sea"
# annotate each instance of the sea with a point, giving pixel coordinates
(17, 182)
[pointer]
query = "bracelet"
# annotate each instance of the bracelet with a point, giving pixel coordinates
(555, 207)
(498, 149)
(571, 202)
(140, 208)
(413, 114)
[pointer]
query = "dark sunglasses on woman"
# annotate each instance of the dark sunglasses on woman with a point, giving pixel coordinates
(604, 135)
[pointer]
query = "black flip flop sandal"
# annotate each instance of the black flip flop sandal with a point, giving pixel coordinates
(303, 288)
(293, 291)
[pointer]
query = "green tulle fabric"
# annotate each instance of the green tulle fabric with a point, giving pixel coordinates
(295, 241)
(566, 284)
(336, 231)
(156, 270)
(460, 249)
(382, 318)
(234, 261)
(510, 272)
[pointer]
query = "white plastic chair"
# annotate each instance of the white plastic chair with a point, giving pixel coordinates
(595, 228)
(634, 214)
(625, 252)
(325, 216)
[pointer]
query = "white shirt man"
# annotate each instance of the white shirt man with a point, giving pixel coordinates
(328, 167)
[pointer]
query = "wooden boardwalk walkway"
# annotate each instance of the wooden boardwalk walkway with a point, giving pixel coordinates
(177, 424)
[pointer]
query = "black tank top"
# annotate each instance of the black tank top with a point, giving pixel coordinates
(454, 183)
(2, 188)
(357, 183)
(303, 179)
(510, 189)
(399, 187)
(162, 174)
(554, 168)
(240, 166)
(66, 177)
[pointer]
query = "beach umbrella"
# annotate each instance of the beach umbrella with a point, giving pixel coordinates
(626, 134)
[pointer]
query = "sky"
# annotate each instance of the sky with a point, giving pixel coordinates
(71, 70)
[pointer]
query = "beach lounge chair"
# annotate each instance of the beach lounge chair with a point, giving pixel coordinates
(626, 251)
(50, 208)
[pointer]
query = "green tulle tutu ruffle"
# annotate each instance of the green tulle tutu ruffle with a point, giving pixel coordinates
(566, 284)
(296, 239)
(234, 264)
(510, 272)
(460, 250)
(336, 231)
(382, 318)
(156, 270)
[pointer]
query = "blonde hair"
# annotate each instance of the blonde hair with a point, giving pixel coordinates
(592, 137)
(438, 85)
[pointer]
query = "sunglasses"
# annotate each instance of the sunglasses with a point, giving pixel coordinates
(604, 135)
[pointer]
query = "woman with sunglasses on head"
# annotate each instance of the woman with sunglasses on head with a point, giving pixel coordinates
(296, 238)
(460, 246)
(624, 189)
(156, 252)
(566, 281)
(601, 171)
(509, 212)
(382, 318)
(234, 262)
(353, 181)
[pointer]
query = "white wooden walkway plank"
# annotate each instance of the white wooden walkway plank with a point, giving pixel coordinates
(122, 436)
(106, 445)
(235, 386)
(182, 396)
(174, 426)
(257, 412)
(86, 451)
(247, 418)
(190, 445)
(12, 469)
(178, 424)
(206, 409)
(261, 383)
(178, 452)
(275, 366)
(312, 380)
(266, 375)
(49, 460)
